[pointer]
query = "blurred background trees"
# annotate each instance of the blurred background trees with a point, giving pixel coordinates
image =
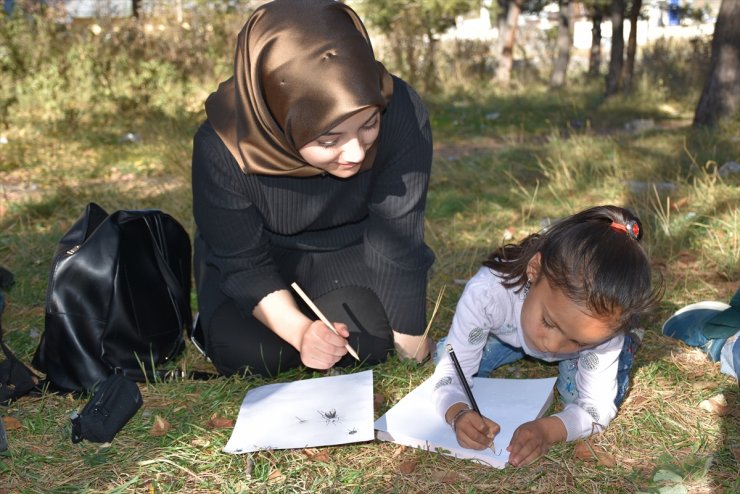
(130, 48)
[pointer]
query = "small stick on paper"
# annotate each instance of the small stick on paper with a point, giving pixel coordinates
(321, 316)
(429, 325)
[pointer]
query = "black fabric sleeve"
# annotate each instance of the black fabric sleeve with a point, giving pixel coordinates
(230, 224)
(395, 250)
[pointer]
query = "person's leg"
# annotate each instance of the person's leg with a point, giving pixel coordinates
(360, 309)
(730, 356)
(632, 341)
(233, 339)
(686, 324)
(566, 383)
(495, 354)
(238, 343)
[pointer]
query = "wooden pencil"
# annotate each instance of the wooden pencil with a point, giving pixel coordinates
(321, 316)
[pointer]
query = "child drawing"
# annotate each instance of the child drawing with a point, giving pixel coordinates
(568, 294)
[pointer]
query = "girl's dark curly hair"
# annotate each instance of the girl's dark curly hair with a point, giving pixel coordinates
(601, 268)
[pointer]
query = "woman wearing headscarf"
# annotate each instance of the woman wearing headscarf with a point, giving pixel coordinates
(312, 167)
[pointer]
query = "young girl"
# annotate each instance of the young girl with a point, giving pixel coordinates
(565, 294)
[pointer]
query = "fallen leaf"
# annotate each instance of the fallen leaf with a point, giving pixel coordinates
(717, 405)
(216, 422)
(314, 454)
(679, 203)
(160, 427)
(665, 475)
(378, 400)
(408, 466)
(445, 476)
(275, 475)
(605, 459)
(398, 451)
(735, 448)
(585, 450)
(636, 401)
(582, 451)
(200, 442)
(12, 423)
(702, 385)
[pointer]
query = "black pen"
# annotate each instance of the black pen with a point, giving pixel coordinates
(461, 376)
(464, 382)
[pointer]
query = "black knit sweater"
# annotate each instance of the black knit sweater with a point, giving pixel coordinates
(373, 221)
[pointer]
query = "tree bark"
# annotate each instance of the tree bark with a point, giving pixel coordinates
(431, 81)
(721, 94)
(503, 13)
(506, 61)
(629, 66)
(616, 59)
(564, 43)
(594, 57)
(136, 8)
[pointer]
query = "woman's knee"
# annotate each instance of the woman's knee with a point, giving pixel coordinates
(363, 313)
(239, 344)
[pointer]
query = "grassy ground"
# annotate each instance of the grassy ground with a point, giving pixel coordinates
(506, 163)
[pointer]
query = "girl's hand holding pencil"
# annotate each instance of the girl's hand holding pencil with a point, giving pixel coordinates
(472, 430)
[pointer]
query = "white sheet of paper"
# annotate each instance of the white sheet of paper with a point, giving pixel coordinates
(508, 402)
(301, 414)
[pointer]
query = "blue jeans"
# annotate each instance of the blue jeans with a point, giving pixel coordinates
(497, 353)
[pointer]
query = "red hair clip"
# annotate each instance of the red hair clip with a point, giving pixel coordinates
(631, 228)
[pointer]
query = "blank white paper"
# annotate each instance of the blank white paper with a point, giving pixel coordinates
(313, 412)
(508, 402)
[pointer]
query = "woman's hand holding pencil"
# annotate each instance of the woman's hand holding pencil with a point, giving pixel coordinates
(323, 343)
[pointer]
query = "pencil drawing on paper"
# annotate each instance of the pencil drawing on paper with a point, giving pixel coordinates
(330, 416)
(305, 413)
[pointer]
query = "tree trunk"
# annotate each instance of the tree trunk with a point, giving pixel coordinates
(506, 61)
(594, 58)
(629, 66)
(178, 11)
(564, 43)
(431, 81)
(613, 79)
(136, 8)
(721, 95)
(501, 17)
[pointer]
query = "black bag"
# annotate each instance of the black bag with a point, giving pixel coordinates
(112, 405)
(16, 379)
(118, 299)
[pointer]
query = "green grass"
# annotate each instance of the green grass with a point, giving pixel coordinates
(546, 155)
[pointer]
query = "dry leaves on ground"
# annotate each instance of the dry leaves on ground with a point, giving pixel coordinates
(275, 475)
(160, 427)
(314, 454)
(445, 476)
(717, 405)
(408, 466)
(12, 423)
(587, 451)
(216, 422)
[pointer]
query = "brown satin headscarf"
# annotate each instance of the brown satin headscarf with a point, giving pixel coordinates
(301, 68)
